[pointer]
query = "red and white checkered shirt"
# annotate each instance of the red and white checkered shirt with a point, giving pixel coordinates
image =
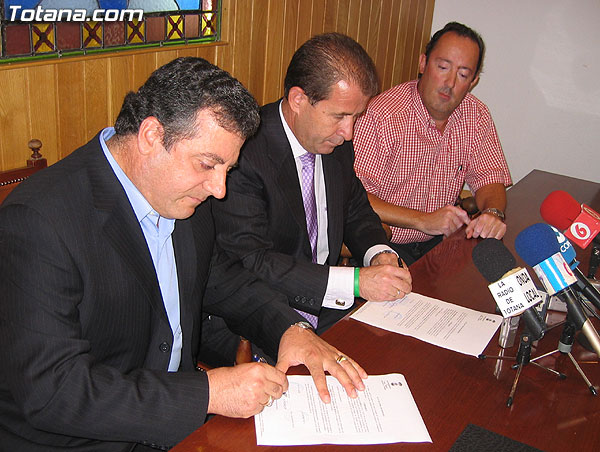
(403, 159)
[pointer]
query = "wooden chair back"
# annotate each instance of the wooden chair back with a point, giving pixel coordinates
(11, 178)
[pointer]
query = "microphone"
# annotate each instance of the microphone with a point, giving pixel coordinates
(538, 247)
(583, 285)
(511, 286)
(580, 222)
(469, 205)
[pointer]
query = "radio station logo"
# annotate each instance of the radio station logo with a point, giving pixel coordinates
(580, 231)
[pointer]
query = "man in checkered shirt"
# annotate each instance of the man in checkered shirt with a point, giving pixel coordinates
(419, 142)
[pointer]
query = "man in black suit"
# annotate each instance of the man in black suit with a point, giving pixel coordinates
(264, 220)
(106, 275)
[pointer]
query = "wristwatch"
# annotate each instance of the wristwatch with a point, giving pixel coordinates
(304, 325)
(384, 252)
(494, 211)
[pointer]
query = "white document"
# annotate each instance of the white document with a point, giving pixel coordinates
(385, 412)
(434, 321)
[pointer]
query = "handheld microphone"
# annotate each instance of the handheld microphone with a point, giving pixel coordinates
(469, 205)
(511, 286)
(538, 247)
(582, 284)
(580, 223)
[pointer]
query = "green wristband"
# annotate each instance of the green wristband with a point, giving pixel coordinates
(356, 285)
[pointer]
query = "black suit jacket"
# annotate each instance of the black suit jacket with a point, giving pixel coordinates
(262, 222)
(85, 336)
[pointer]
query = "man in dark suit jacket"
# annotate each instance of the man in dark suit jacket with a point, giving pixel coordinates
(263, 220)
(99, 342)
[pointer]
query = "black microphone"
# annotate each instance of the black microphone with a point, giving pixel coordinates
(538, 247)
(495, 262)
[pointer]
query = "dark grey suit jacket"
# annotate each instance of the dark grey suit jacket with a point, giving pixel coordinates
(262, 222)
(85, 336)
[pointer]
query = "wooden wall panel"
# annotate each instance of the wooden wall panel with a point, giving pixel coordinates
(353, 18)
(71, 101)
(241, 41)
(224, 54)
(121, 79)
(317, 22)
(65, 102)
(14, 118)
(303, 21)
(96, 105)
(258, 42)
(289, 37)
(272, 86)
(330, 16)
(343, 8)
(41, 92)
(390, 39)
(364, 18)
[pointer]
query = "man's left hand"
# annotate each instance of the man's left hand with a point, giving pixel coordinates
(486, 226)
(303, 346)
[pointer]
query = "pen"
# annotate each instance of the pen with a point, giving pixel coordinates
(258, 359)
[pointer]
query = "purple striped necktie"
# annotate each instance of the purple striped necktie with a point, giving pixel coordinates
(310, 210)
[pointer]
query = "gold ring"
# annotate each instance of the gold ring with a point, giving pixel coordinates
(269, 402)
(340, 359)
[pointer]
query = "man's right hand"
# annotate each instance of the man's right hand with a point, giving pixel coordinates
(384, 282)
(244, 390)
(444, 221)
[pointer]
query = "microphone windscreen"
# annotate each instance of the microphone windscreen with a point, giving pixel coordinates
(536, 244)
(560, 209)
(493, 259)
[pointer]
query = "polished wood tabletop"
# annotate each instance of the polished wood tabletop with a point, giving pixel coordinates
(453, 390)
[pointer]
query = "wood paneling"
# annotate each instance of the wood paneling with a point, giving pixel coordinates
(65, 102)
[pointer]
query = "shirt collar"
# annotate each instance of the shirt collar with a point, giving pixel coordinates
(297, 149)
(140, 205)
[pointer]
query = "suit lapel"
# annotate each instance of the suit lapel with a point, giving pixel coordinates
(121, 227)
(280, 153)
(185, 256)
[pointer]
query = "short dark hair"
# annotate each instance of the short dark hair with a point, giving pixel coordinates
(324, 60)
(461, 30)
(177, 91)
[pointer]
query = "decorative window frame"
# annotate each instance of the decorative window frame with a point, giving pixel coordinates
(31, 41)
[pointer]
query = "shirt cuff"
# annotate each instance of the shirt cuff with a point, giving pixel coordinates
(373, 251)
(340, 288)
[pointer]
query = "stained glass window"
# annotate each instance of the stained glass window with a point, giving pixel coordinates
(36, 29)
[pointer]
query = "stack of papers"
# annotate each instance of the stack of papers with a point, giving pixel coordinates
(385, 412)
(434, 321)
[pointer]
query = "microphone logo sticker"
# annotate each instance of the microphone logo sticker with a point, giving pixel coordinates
(580, 231)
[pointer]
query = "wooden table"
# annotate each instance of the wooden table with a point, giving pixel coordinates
(453, 390)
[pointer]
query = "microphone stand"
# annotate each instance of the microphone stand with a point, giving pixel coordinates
(594, 260)
(522, 359)
(565, 344)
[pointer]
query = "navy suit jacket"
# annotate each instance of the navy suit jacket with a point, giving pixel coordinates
(261, 221)
(85, 336)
